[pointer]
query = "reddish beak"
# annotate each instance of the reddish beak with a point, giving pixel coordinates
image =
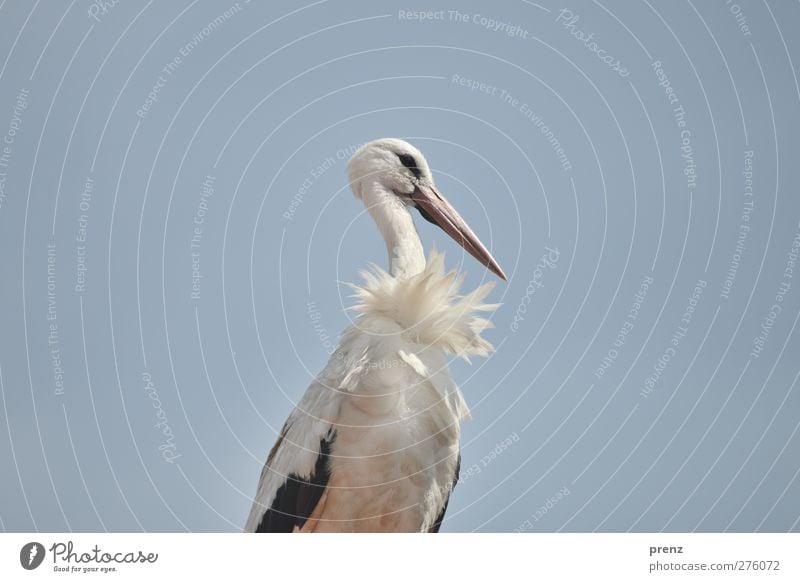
(442, 213)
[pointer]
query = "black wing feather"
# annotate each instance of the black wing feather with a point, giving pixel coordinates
(438, 523)
(296, 499)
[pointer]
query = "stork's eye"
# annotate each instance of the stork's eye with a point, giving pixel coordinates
(409, 162)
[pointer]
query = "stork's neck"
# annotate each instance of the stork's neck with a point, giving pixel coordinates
(406, 255)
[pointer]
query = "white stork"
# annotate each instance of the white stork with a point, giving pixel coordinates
(373, 445)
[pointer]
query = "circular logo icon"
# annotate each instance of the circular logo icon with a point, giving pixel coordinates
(31, 555)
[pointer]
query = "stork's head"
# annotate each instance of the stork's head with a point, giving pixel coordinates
(391, 174)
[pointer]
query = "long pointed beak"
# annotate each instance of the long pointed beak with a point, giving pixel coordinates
(441, 212)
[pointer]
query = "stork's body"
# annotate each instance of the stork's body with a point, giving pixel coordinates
(373, 445)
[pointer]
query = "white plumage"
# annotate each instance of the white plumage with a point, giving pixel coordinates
(373, 445)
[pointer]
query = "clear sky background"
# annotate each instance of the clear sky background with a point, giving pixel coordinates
(175, 225)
